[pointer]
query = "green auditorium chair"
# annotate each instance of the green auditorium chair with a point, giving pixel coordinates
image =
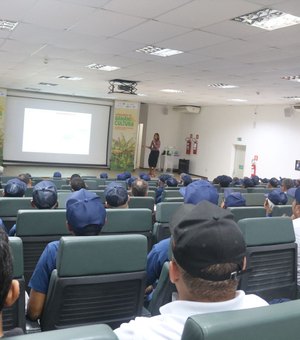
(37, 228)
(141, 202)
(247, 212)
(282, 210)
(171, 194)
(271, 258)
(14, 316)
(99, 279)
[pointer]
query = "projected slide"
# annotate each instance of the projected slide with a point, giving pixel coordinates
(52, 131)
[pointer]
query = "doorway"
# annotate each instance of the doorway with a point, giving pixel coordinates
(239, 161)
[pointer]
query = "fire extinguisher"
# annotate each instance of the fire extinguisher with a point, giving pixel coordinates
(195, 146)
(188, 147)
(253, 168)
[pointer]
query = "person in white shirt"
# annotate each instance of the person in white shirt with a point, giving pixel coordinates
(208, 258)
(296, 225)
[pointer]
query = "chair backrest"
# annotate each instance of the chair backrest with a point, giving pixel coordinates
(62, 197)
(170, 193)
(163, 291)
(92, 184)
(14, 316)
(276, 322)
(254, 199)
(141, 202)
(163, 215)
(129, 221)
(9, 207)
(247, 212)
(99, 279)
(89, 332)
(123, 183)
(282, 210)
(59, 182)
(271, 257)
(37, 228)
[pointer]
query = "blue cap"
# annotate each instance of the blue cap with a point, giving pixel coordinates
(172, 182)
(163, 178)
(234, 199)
(247, 182)
(274, 182)
(121, 177)
(15, 188)
(103, 175)
(277, 197)
(130, 180)
(297, 194)
(145, 177)
(85, 208)
(224, 180)
(199, 191)
(115, 194)
(44, 195)
(57, 174)
(186, 180)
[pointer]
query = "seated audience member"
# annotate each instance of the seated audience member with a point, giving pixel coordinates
(57, 175)
(77, 183)
(273, 183)
(27, 179)
(233, 199)
(86, 216)
(116, 196)
(275, 197)
(44, 196)
(14, 188)
(123, 176)
(172, 182)
(224, 181)
(103, 175)
(194, 193)
(236, 182)
(139, 188)
(129, 182)
(208, 258)
(9, 288)
(255, 179)
(296, 225)
(248, 182)
(161, 183)
(286, 184)
(185, 179)
(145, 177)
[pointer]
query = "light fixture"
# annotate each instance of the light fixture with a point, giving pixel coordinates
(100, 67)
(158, 51)
(268, 19)
(172, 91)
(292, 78)
(47, 84)
(7, 25)
(292, 97)
(69, 78)
(223, 86)
(238, 100)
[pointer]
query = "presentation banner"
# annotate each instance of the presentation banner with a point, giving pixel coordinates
(125, 124)
(2, 112)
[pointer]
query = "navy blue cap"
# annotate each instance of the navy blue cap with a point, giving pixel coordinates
(172, 182)
(224, 180)
(186, 180)
(198, 191)
(44, 195)
(247, 182)
(57, 174)
(85, 208)
(115, 195)
(274, 182)
(15, 188)
(277, 197)
(145, 177)
(234, 199)
(103, 175)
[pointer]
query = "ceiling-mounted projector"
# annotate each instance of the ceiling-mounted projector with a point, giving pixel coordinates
(122, 86)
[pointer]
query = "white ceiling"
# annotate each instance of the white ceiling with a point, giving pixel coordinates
(61, 37)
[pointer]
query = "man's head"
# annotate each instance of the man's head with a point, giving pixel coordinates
(86, 214)
(172, 182)
(26, 178)
(233, 199)
(277, 197)
(129, 181)
(224, 181)
(185, 179)
(273, 183)
(15, 188)
(286, 184)
(199, 191)
(248, 182)
(9, 288)
(103, 175)
(44, 195)
(208, 251)
(139, 188)
(77, 183)
(116, 196)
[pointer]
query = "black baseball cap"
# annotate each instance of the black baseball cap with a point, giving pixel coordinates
(205, 235)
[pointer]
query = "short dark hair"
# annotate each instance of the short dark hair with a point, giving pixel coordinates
(6, 268)
(88, 230)
(25, 178)
(288, 183)
(139, 187)
(77, 183)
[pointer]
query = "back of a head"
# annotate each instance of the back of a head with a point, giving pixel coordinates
(186, 180)
(248, 182)
(85, 212)
(103, 175)
(26, 178)
(205, 235)
(129, 181)
(277, 197)
(172, 182)
(139, 188)
(57, 174)
(224, 181)
(44, 195)
(273, 182)
(77, 183)
(233, 199)
(115, 195)
(15, 188)
(199, 191)
(6, 268)
(287, 183)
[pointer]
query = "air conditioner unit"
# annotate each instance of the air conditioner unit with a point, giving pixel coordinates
(187, 108)
(297, 107)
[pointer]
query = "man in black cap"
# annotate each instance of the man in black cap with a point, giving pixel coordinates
(208, 258)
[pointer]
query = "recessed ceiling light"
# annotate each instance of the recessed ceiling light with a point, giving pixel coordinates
(223, 86)
(238, 100)
(69, 78)
(47, 84)
(292, 78)
(7, 25)
(268, 19)
(172, 91)
(158, 51)
(100, 67)
(292, 97)
(32, 89)
(142, 95)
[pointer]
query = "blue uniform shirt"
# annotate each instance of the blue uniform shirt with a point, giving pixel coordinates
(47, 263)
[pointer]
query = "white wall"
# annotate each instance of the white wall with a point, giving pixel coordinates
(264, 130)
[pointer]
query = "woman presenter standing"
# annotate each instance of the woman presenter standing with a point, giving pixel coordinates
(154, 154)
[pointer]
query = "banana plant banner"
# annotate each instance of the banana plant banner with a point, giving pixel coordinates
(125, 124)
(2, 111)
